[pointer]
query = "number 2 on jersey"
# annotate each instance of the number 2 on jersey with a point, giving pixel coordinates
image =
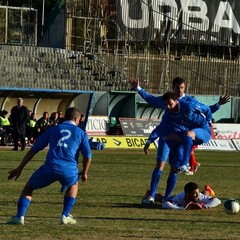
(61, 142)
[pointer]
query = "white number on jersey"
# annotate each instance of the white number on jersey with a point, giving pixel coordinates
(61, 142)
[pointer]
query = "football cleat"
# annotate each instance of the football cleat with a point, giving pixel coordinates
(210, 191)
(148, 201)
(15, 220)
(183, 168)
(189, 173)
(196, 167)
(67, 220)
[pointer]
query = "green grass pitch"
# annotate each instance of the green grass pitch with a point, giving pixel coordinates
(109, 204)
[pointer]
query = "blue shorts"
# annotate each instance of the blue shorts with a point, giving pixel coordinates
(44, 176)
(203, 135)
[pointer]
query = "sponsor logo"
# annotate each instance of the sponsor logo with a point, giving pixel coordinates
(196, 20)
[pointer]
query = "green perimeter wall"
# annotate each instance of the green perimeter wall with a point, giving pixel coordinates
(112, 104)
(131, 105)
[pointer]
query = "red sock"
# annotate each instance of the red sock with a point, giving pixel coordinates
(192, 161)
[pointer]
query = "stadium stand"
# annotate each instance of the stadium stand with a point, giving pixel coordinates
(42, 67)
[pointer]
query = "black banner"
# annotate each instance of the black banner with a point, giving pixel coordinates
(208, 22)
(138, 127)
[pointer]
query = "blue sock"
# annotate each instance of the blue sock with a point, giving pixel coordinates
(171, 182)
(23, 204)
(68, 205)
(156, 175)
(187, 148)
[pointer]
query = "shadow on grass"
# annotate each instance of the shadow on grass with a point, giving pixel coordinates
(137, 205)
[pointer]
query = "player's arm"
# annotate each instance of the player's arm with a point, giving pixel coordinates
(177, 202)
(156, 133)
(150, 99)
(210, 202)
(202, 108)
(41, 143)
(197, 111)
(207, 112)
(86, 162)
(86, 165)
(222, 100)
(171, 205)
(15, 173)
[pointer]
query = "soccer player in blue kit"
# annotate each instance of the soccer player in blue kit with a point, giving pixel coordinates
(186, 123)
(163, 150)
(182, 123)
(66, 141)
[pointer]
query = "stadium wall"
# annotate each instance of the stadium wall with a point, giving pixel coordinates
(131, 105)
(206, 55)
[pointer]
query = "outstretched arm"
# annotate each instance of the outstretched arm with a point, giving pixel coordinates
(155, 101)
(134, 83)
(15, 173)
(222, 100)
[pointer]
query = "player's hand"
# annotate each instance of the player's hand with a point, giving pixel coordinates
(15, 173)
(193, 206)
(84, 177)
(146, 147)
(134, 83)
(224, 99)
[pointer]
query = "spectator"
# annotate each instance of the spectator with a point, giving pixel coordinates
(43, 123)
(4, 127)
(65, 142)
(19, 118)
(82, 122)
(32, 132)
(61, 118)
(53, 119)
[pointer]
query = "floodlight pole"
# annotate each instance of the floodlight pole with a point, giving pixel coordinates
(43, 12)
(6, 24)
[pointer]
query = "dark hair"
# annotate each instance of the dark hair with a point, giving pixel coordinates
(72, 113)
(190, 187)
(4, 111)
(169, 95)
(178, 81)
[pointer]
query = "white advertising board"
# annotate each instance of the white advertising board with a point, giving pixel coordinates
(97, 125)
(218, 144)
(226, 130)
(236, 143)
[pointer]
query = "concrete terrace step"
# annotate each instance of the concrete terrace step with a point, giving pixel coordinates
(28, 66)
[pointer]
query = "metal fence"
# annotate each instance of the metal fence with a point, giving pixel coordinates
(153, 56)
(210, 67)
(18, 25)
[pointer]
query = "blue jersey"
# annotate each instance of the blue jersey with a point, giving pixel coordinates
(165, 127)
(158, 101)
(65, 142)
(190, 115)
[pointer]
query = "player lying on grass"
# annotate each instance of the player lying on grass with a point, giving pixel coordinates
(178, 86)
(192, 199)
(66, 141)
